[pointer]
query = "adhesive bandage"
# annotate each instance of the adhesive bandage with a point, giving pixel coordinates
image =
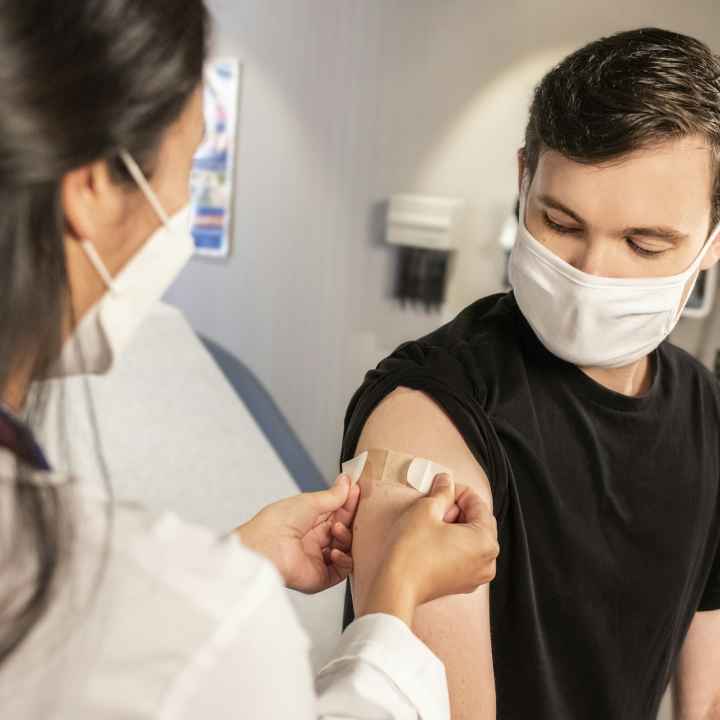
(390, 467)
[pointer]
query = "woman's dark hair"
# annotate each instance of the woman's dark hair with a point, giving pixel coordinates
(627, 92)
(79, 80)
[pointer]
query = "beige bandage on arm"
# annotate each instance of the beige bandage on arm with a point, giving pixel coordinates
(375, 467)
(385, 468)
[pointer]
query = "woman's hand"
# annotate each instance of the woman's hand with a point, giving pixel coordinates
(308, 537)
(444, 544)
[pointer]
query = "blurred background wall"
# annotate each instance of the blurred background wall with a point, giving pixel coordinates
(344, 103)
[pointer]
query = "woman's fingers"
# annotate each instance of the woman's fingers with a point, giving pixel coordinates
(342, 536)
(339, 566)
(322, 534)
(346, 514)
(452, 514)
(342, 561)
(330, 500)
(341, 558)
(473, 509)
(442, 495)
(342, 521)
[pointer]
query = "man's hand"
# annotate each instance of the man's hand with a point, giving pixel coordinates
(308, 536)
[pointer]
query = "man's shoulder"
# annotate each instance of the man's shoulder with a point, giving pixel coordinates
(489, 318)
(690, 375)
(462, 355)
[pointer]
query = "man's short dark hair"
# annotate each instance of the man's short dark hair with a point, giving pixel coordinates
(627, 92)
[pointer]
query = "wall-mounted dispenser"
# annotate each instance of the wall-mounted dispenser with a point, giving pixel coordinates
(423, 227)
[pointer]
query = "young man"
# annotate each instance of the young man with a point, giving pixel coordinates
(595, 440)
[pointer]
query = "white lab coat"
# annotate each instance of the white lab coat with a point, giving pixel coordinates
(188, 625)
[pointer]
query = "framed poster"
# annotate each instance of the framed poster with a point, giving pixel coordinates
(213, 174)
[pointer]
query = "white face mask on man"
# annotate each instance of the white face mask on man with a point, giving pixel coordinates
(593, 321)
(105, 330)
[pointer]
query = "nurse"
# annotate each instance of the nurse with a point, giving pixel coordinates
(106, 610)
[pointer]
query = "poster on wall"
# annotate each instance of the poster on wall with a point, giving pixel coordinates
(213, 174)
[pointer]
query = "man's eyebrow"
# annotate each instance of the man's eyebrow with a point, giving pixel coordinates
(659, 231)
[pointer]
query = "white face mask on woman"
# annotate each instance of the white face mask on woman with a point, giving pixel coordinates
(593, 321)
(105, 330)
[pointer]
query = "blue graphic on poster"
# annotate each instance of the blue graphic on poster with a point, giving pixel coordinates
(214, 164)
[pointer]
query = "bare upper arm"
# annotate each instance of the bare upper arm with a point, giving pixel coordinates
(457, 628)
(697, 681)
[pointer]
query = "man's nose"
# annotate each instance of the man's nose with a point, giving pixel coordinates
(590, 258)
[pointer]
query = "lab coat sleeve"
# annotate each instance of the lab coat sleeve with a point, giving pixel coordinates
(257, 665)
(253, 659)
(382, 671)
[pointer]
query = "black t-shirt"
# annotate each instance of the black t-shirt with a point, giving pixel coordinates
(608, 509)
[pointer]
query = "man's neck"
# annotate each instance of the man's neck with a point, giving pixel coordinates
(632, 380)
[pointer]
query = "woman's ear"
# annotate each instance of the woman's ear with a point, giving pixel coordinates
(91, 202)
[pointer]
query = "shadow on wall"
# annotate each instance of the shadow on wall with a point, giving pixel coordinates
(345, 104)
(457, 83)
(478, 150)
(472, 156)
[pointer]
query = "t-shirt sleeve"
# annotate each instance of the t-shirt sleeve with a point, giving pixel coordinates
(452, 379)
(711, 597)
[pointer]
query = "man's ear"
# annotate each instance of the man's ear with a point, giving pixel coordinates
(522, 167)
(713, 253)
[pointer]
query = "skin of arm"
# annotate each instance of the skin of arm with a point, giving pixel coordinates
(697, 680)
(456, 628)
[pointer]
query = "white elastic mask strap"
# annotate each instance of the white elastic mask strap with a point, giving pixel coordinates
(98, 264)
(144, 185)
(695, 268)
(522, 207)
(708, 244)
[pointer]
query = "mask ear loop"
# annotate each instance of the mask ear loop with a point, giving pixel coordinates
(98, 264)
(698, 260)
(522, 206)
(144, 185)
(138, 176)
(709, 242)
